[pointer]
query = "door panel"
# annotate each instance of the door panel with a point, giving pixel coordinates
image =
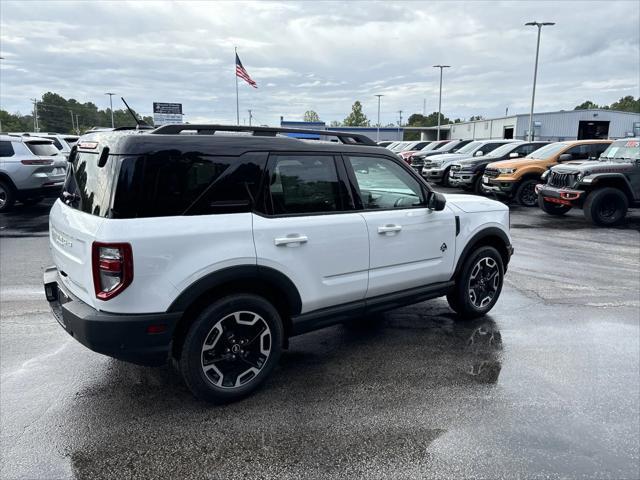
(410, 245)
(311, 232)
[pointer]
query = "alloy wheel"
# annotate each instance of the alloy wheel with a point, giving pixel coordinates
(236, 349)
(3, 196)
(484, 282)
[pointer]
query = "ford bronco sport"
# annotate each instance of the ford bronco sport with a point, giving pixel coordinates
(517, 179)
(604, 189)
(213, 248)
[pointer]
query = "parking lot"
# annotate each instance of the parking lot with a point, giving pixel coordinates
(545, 386)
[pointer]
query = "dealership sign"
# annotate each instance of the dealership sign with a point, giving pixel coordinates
(165, 113)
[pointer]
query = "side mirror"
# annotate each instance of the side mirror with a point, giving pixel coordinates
(514, 155)
(565, 157)
(479, 153)
(436, 201)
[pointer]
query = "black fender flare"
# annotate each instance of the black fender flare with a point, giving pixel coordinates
(599, 177)
(493, 232)
(271, 277)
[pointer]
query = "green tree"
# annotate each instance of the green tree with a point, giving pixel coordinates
(335, 123)
(476, 117)
(419, 120)
(627, 104)
(587, 105)
(311, 116)
(15, 122)
(356, 118)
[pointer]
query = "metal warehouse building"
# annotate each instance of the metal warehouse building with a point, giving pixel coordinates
(554, 126)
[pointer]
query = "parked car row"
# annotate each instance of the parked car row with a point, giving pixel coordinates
(600, 176)
(31, 168)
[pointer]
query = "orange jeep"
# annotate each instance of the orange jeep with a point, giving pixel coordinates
(517, 179)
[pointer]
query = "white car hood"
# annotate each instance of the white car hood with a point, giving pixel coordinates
(474, 203)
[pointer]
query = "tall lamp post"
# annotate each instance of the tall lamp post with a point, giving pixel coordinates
(111, 107)
(535, 71)
(378, 132)
(441, 67)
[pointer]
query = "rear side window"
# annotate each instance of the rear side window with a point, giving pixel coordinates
(42, 149)
(490, 147)
(6, 149)
(56, 142)
(172, 183)
(304, 184)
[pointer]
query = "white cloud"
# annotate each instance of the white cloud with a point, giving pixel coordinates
(320, 56)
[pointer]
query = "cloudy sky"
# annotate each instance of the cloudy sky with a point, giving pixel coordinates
(319, 55)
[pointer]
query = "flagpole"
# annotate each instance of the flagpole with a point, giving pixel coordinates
(237, 97)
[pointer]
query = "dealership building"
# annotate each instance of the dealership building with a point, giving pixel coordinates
(552, 126)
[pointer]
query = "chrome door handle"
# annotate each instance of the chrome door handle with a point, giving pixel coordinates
(389, 229)
(293, 240)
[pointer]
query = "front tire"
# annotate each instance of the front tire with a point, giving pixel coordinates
(445, 178)
(231, 348)
(479, 284)
(552, 208)
(606, 207)
(526, 194)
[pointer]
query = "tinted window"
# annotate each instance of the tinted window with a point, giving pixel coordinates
(580, 152)
(490, 147)
(6, 149)
(383, 183)
(547, 151)
(171, 183)
(42, 149)
(304, 184)
(597, 149)
(525, 150)
(87, 186)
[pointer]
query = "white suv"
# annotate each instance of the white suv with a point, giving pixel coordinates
(215, 248)
(30, 169)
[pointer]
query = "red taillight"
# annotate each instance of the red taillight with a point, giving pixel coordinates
(36, 162)
(112, 265)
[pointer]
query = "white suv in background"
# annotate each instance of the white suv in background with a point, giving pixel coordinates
(30, 169)
(214, 249)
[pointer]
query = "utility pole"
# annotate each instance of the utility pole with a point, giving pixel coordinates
(73, 127)
(400, 124)
(441, 67)
(111, 107)
(535, 71)
(36, 126)
(378, 131)
(250, 116)
(506, 112)
(77, 124)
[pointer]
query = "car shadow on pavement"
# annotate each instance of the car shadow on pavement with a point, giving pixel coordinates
(328, 404)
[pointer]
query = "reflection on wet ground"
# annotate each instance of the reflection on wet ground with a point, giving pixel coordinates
(319, 413)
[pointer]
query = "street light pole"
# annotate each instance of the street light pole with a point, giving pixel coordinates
(441, 67)
(535, 71)
(250, 117)
(400, 124)
(378, 132)
(111, 107)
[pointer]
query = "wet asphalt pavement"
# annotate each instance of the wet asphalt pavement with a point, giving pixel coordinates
(547, 386)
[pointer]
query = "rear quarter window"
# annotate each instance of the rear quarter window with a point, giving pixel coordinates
(173, 183)
(88, 187)
(6, 149)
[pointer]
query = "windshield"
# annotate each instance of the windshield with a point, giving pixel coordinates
(503, 150)
(398, 146)
(622, 150)
(470, 147)
(42, 149)
(547, 151)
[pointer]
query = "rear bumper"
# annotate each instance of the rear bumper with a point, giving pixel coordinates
(121, 336)
(561, 196)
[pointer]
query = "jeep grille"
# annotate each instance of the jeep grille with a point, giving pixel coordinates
(562, 179)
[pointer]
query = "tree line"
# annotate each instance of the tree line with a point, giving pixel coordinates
(625, 104)
(54, 115)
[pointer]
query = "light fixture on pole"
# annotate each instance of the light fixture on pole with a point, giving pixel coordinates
(378, 132)
(535, 71)
(441, 67)
(111, 107)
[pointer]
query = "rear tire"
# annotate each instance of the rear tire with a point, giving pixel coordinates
(231, 348)
(526, 193)
(478, 285)
(7, 196)
(477, 186)
(552, 208)
(606, 207)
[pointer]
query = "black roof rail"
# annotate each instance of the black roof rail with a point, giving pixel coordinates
(205, 129)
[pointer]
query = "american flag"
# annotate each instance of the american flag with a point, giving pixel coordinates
(242, 73)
